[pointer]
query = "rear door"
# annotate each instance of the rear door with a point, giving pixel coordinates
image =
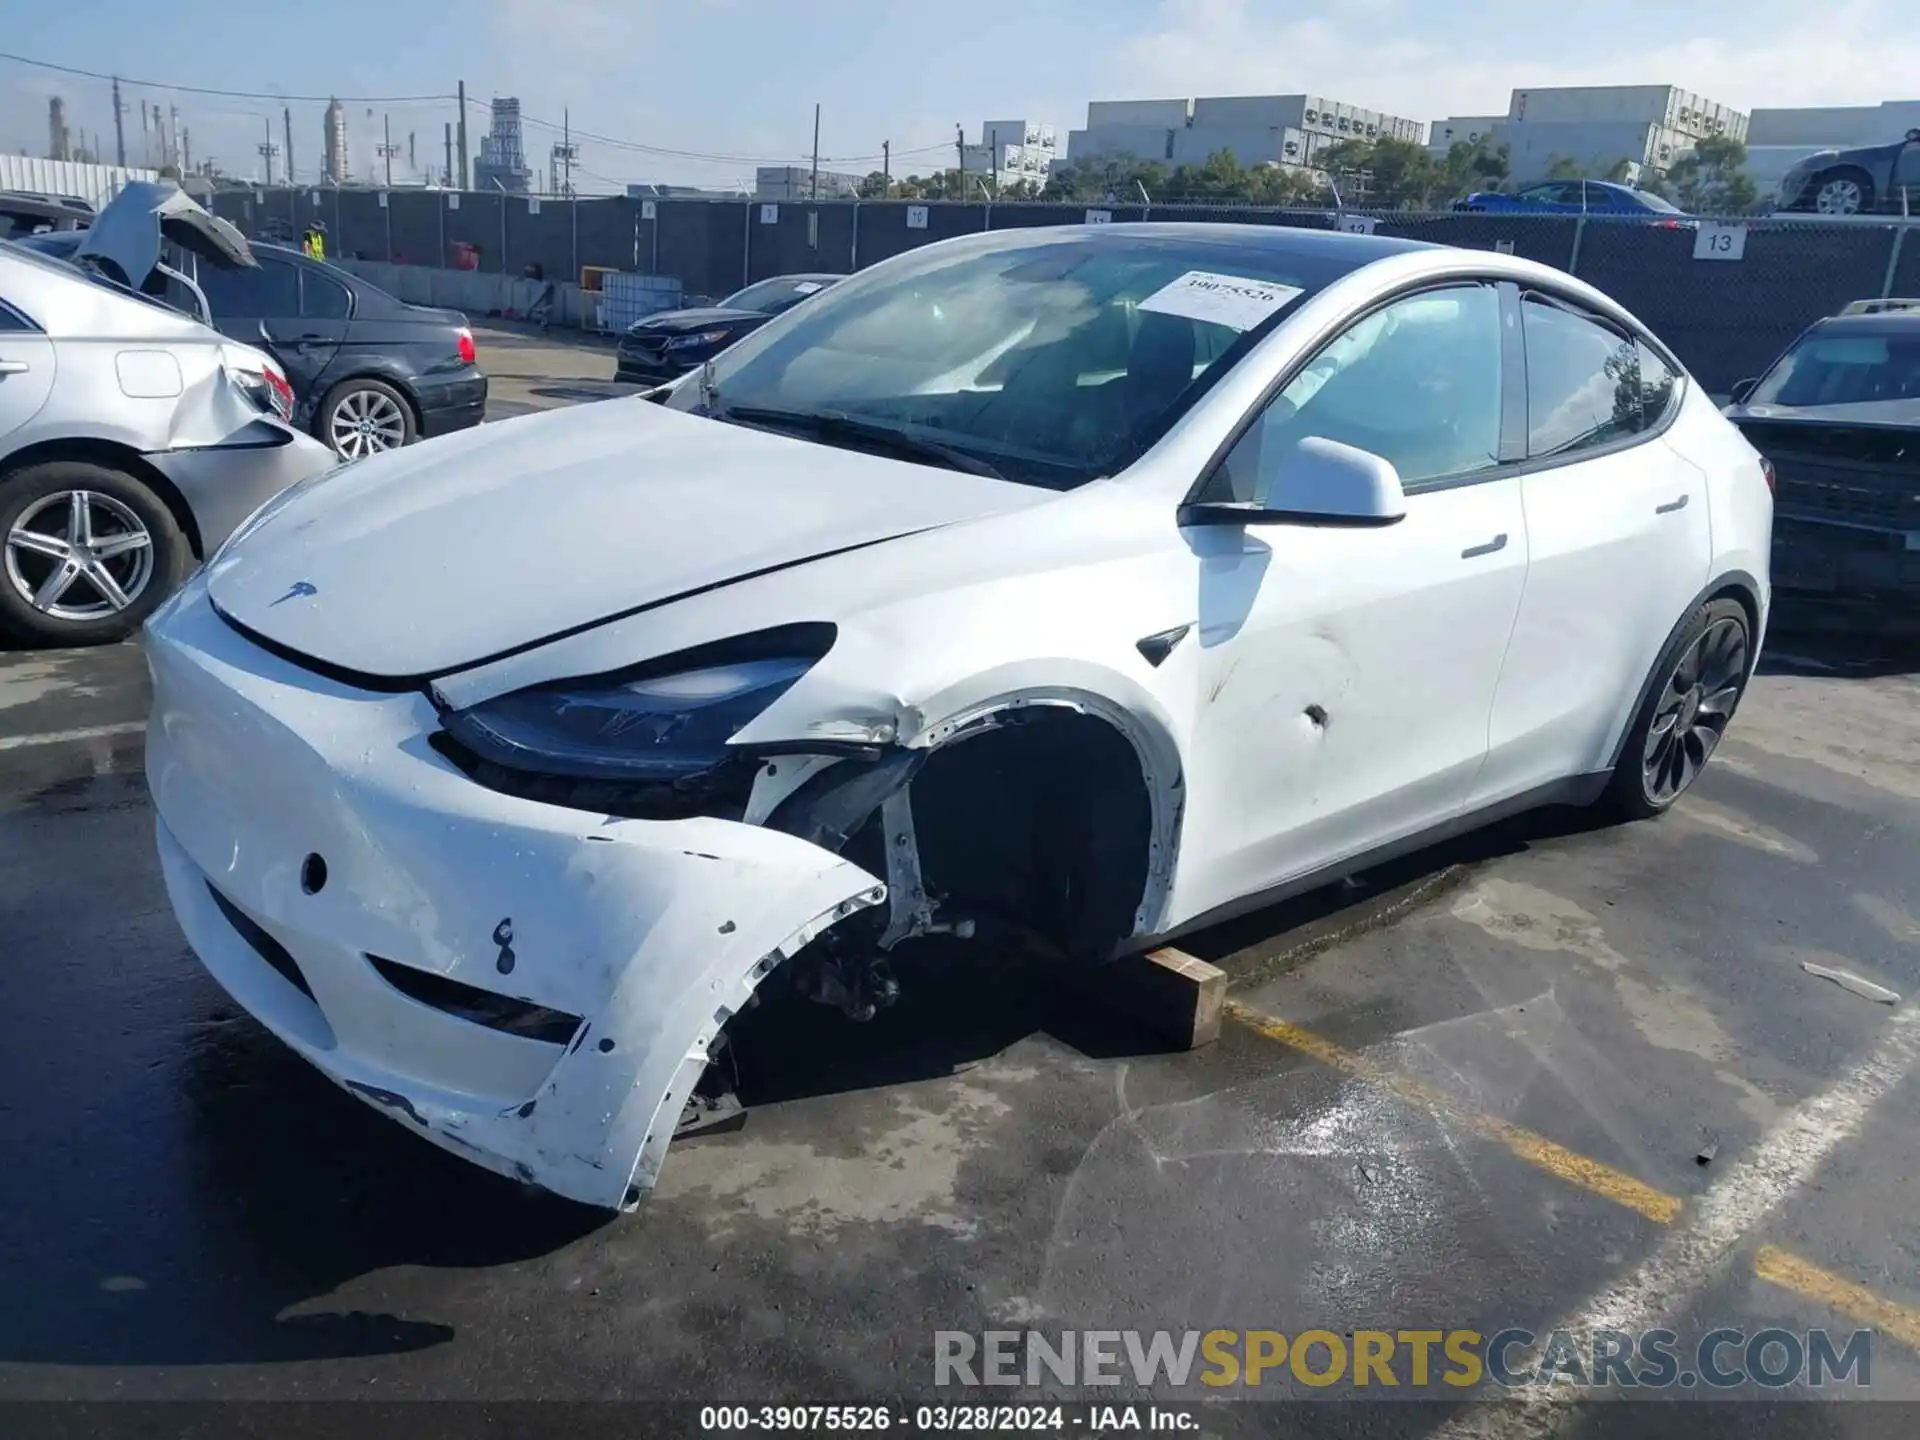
(26, 369)
(326, 312)
(1619, 546)
(262, 306)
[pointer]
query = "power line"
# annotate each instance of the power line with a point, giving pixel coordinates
(228, 94)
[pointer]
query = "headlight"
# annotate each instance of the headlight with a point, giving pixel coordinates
(705, 337)
(659, 724)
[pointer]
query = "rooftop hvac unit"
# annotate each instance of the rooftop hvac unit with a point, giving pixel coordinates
(1312, 115)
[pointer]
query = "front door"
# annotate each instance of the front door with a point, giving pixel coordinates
(1346, 674)
(26, 369)
(1620, 542)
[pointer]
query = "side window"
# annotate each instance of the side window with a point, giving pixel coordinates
(323, 298)
(270, 293)
(1416, 382)
(12, 319)
(1583, 381)
(1657, 385)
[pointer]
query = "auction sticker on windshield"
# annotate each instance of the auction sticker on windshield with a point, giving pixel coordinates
(1230, 300)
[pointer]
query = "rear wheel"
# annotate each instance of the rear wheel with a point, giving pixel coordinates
(363, 417)
(1681, 723)
(90, 553)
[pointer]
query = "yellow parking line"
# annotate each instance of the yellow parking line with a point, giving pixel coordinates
(1770, 1262)
(1569, 1165)
(1804, 1278)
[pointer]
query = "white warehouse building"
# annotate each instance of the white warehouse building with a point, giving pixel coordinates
(1594, 126)
(1010, 152)
(1256, 129)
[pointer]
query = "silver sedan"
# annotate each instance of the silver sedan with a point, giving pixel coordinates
(132, 441)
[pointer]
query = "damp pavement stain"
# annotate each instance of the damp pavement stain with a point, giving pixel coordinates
(1747, 831)
(1669, 1016)
(901, 1169)
(1896, 920)
(1792, 717)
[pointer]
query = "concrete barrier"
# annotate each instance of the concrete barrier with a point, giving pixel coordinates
(478, 294)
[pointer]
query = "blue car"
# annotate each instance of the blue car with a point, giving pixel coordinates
(1576, 197)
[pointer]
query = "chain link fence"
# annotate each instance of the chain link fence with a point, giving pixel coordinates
(1727, 307)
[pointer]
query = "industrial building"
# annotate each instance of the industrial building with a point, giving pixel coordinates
(1255, 129)
(1011, 152)
(799, 182)
(1779, 139)
(334, 170)
(503, 153)
(1595, 127)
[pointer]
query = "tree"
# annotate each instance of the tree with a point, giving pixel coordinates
(874, 187)
(1563, 167)
(1619, 171)
(1712, 177)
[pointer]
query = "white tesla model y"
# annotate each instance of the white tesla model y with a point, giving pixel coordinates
(1096, 582)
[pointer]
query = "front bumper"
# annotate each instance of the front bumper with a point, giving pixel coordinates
(653, 933)
(224, 484)
(652, 367)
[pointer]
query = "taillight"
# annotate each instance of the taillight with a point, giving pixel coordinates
(1766, 471)
(465, 340)
(282, 393)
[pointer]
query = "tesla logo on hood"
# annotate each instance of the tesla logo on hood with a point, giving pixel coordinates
(296, 590)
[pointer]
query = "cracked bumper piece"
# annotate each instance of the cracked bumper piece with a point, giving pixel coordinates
(316, 851)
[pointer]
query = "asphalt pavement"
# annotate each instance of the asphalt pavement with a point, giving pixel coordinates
(1559, 1074)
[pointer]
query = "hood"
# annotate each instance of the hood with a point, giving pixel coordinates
(130, 234)
(1894, 414)
(427, 560)
(676, 322)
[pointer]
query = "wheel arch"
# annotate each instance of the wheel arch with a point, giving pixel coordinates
(1736, 585)
(117, 456)
(362, 370)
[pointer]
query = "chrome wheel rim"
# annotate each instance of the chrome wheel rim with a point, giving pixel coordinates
(1693, 708)
(366, 422)
(1839, 197)
(79, 555)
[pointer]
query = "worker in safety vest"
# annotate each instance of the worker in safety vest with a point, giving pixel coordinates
(314, 243)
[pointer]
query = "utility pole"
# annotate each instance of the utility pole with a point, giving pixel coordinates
(449, 154)
(186, 152)
(816, 152)
(387, 148)
(119, 126)
(286, 117)
(993, 159)
(267, 148)
(463, 134)
(960, 159)
(175, 155)
(413, 163)
(886, 168)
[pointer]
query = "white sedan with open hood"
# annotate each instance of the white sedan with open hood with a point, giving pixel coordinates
(1092, 583)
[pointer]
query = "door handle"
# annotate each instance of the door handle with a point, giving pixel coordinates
(1498, 542)
(1671, 506)
(14, 367)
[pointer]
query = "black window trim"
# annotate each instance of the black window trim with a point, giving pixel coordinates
(27, 325)
(307, 271)
(1633, 336)
(1287, 376)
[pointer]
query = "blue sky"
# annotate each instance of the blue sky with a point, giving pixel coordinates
(739, 78)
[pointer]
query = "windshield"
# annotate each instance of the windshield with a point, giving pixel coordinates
(1845, 369)
(1054, 358)
(1654, 202)
(770, 297)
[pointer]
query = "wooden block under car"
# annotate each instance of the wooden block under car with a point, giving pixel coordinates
(1177, 996)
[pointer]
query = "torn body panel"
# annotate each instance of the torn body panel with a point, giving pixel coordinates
(651, 933)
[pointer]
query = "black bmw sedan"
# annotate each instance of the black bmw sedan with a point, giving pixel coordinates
(666, 346)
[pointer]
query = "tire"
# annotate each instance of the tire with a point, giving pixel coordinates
(1844, 191)
(104, 597)
(363, 417)
(1697, 687)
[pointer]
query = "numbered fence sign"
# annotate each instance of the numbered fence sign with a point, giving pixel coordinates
(1099, 217)
(383, 199)
(313, 198)
(453, 199)
(649, 210)
(916, 217)
(1720, 242)
(533, 204)
(769, 214)
(1503, 247)
(1359, 224)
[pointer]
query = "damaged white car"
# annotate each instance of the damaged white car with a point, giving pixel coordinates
(1093, 583)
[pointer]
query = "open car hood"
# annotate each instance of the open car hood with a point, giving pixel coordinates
(131, 233)
(419, 562)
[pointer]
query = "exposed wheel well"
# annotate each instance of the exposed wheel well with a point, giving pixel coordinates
(117, 457)
(1044, 819)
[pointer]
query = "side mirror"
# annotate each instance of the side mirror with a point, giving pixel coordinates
(1314, 482)
(1742, 390)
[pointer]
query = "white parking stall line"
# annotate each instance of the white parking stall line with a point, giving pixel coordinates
(1689, 1256)
(69, 737)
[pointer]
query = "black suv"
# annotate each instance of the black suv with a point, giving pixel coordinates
(369, 372)
(1861, 181)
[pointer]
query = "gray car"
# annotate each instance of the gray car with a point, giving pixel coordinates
(132, 441)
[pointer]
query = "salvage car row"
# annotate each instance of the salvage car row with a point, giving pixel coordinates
(160, 379)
